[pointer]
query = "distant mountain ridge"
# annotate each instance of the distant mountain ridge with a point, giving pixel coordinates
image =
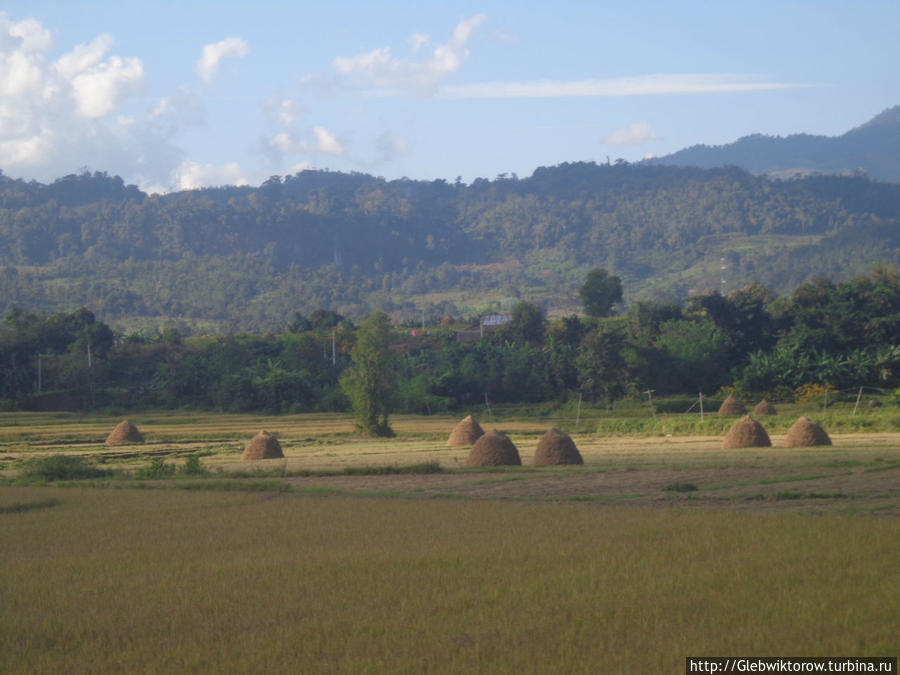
(873, 148)
(247, 258)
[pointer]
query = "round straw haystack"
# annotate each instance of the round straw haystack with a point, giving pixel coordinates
(494, 449)
(466, 432)
(805, 433)
(747, 433)
(764, 408)
(125, 432)
(732, 407)
(263, 446)
(556, 447)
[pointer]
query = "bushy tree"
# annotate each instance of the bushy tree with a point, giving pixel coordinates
(600, 292)
(526, 325)
(694, 356)
(370, 379)
(602, 370)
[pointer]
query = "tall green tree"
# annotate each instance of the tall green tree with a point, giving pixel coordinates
(600, 292)
(526, 326)
(370, 380)
(602, 371)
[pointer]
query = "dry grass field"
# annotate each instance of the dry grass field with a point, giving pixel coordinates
(860, 472)
(337, 559)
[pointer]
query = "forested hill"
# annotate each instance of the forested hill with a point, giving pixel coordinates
(247, 258)
(872, 148)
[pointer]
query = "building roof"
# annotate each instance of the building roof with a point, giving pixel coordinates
(495, 319)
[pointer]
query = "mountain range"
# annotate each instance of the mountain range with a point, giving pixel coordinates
(872, 149)
(250, 258)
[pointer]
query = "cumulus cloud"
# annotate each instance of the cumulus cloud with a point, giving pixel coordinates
(283, 111)
(634, 134)
(59, 113)
(98, 89)
(280, 146)
(691, 83)
(288, 112)
(379, 70)
(34, 37)
(193, 175)
(213, 53)
(326, 142)
(282, 142)
(84, 56)
(51, 111)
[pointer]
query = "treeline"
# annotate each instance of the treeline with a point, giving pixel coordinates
(827, 334)
(243, 258)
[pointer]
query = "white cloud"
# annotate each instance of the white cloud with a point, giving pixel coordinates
(61, 113)
(98, 89)
(20, 74)
(644, 85)
(282, 142)
(34, 37)
(284, 112)
(208, 65)
(193, 175)
(84, 56)
(634, 134)
(326, 143)
(417, 41)
(288, 112)
(379, 70)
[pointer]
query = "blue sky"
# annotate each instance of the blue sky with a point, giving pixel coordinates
(174, 95)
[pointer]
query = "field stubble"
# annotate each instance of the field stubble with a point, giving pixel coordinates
(858, 473)
(525, 570)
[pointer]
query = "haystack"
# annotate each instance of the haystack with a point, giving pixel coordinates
(805, 433)
(125, 432)
(466, 432)
(556, 447)
(731, 407)
(747, 433)
(263, 446)
(764, 408)
(494, 449)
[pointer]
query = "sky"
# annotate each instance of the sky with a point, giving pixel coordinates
(180, 95)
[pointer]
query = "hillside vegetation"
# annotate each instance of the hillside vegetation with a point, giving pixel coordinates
(243, 258)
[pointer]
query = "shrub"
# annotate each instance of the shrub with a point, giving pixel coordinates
(157, 469)
(61, 467)
(192, 467)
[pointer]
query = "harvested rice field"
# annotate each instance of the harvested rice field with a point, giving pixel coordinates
(859, 472)
(385, 556)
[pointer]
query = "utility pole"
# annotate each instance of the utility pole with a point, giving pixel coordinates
(858, 396)
(649, 393)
